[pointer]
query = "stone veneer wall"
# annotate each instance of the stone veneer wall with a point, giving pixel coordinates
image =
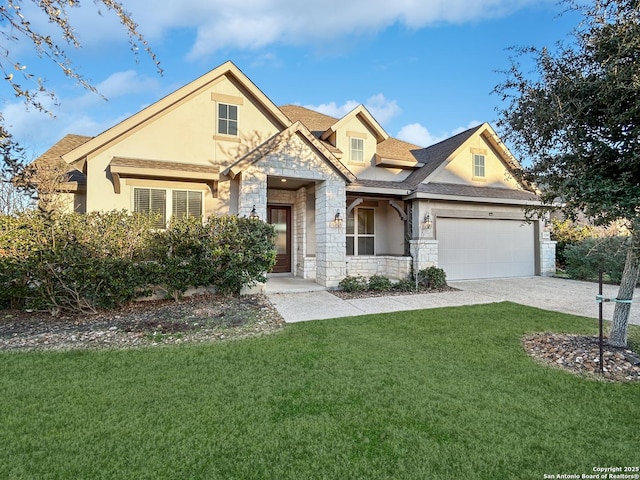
(391, 266)
(547, 258)
(296, 160)
(307, 268)
(425, 253)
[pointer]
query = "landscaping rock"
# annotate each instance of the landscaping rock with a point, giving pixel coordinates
(580, 354)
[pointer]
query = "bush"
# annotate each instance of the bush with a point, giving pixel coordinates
(567, 233)
(81, 263)
(379, 283)
(405, 285)
(432, 277)
(584, 259)
(353, 284)
(241, 251)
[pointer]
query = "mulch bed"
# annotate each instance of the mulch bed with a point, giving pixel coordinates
(391, 293)
(197, 319)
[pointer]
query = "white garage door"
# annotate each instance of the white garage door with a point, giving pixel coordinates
(480, 248)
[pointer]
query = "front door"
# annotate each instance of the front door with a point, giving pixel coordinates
(280, 217)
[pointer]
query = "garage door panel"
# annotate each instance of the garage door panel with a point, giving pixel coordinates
(480, 248)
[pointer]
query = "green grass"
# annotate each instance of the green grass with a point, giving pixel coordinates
(444, 393)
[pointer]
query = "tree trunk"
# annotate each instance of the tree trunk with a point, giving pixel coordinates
(618, 335)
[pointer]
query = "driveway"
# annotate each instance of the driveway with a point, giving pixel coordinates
(549, 293)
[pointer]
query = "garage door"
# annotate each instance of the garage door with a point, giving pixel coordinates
(480, 248)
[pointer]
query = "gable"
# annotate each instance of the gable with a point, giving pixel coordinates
(187, 117)
(479, 159)
(296, 142)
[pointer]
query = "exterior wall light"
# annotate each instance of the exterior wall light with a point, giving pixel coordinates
(254, 215)
(338, 219)
(427, 222)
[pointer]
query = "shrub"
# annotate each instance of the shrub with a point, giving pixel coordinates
(353, 284)
(432, 277)
(567, 233)
(405, 285)
(380, 283)
(80, 263)
(585, 258)
(241, 251)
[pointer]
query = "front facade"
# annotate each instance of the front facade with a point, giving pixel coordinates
(345, 197)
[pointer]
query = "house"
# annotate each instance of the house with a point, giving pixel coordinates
(344, 196)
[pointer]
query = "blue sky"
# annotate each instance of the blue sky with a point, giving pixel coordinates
(424, 68)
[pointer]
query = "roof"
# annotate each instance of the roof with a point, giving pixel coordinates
(62, 147)
(435, 155)
(365, 117)
(319, 123)
(54, 155)
(460, 190)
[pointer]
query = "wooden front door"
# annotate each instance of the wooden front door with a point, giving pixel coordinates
(280, 217)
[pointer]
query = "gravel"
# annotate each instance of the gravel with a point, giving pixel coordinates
(198, 319)
(581, 355)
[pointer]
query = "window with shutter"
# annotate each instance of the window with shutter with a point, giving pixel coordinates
(187, 203)
(151, 201)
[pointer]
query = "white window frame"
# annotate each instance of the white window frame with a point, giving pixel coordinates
(357, 235)
(168, 207)
(356, 152)
(227, 120)
(479, 166)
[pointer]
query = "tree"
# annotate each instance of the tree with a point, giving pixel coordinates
(577, 118)
(15, 28)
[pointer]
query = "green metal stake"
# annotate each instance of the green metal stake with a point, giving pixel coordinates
(600, 308)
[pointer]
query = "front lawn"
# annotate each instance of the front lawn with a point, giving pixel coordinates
(441, 393)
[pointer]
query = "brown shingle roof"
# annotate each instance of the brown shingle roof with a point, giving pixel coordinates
(68, 143)
(162, 165)
(54, 156)
(316, 122)
(458, 190)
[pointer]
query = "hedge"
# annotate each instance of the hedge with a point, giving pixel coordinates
(82, 263)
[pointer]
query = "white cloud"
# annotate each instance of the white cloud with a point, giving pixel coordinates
(383, 110)
(419, 135)
(252, 24)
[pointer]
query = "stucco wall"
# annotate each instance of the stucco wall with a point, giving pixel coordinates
(184, 133)
(460, 169)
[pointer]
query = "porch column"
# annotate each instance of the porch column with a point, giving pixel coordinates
(331, 241)
(253, 191)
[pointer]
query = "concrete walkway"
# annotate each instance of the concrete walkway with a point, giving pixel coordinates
(568, 296)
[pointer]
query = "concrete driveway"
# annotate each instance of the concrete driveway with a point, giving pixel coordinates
(568, 296)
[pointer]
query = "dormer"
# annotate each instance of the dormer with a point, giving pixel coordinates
(357, 135)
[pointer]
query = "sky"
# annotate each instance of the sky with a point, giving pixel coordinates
(425, 69)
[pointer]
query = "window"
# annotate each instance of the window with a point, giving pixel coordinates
(360, 232)
(155, 200)
(227, 119)
(151, 200)
(478, 166)
(357, 150)
(187, 203)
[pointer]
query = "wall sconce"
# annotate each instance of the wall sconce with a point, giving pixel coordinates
(427, 222)
(338, 219)
(254, 215)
